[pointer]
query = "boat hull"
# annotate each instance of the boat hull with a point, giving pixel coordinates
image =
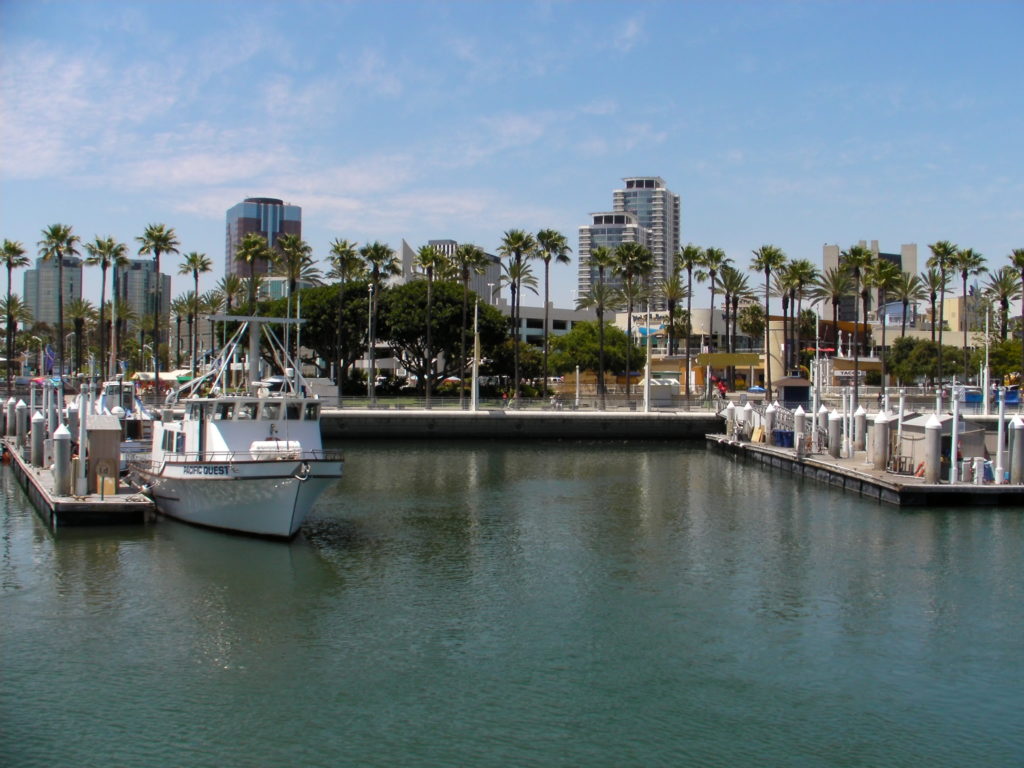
(260, 498)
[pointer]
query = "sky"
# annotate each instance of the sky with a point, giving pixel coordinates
(795, 124)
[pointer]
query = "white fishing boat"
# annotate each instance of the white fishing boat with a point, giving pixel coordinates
(250, 462)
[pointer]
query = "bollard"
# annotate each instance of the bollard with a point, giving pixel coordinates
(965, 470)
(938, 400)
(881, 441)
(730, 419)
(21, 423)
(835, 434)
(1000, 468)
(38, 435)
(12, 419)
(769, 424)
(932, 449)
(979, 470)
(82, 479)
(62, 461)
(52, 414)
(860, 426)
(748, 420)
(1017, 450)
(954, 440)
(72, 419)
(799, 426)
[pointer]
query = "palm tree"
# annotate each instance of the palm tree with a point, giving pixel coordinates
(734, 284)
(857, 260)
(105, 253)
(689, 257)
(1017, 262)
(941, 259)
(934, 283)
(190, 304)
(17, 313)
(125, 316)
(252, 250)
(784, 286)
(516, 244)
(293, 260)
(467, 260)
(802, 274)
(883, 275)
(13, 255)
(179, 311)
(80, 312)
(551, 245)
(633, 263)
(194, 264)
(969, 263)
(157, 239)
(210, 303)
(382, 264)
(429, 259)
(908, 288)
(231, 287)
(831, 286)
(1003, 286)
(672, 290)
(767, 259)
(602, 258)
(345, 265)
(58, 243)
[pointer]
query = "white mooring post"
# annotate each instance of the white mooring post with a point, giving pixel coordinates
(769, 424)
(12, 419)
(860, 427)
(748, 420)
(881, 441)
(954, 439)
(835, 434)
(1017, 450)
(730, 420)
(21, 423)
(81, 480)
(932, 449)
(38, 434)
(62, 461)
(1000, 470)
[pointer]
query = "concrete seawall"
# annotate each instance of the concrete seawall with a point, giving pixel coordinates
(516, 425)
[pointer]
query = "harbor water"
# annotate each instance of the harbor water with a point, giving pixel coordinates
(522, 604)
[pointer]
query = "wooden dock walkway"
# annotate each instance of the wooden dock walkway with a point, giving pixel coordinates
(858, 476)
(126, 507)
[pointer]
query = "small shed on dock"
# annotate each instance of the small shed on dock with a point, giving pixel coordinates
(793, 391)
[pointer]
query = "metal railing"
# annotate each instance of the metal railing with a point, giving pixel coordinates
(225, 457)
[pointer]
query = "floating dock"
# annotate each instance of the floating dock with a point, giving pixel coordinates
(124, 507)
(855, 475)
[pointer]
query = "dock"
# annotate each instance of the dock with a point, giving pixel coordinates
(856, 475)
(125, 507)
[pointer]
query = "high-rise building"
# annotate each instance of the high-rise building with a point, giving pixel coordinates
(482, 284)
(135, 285)
(645, 211)
(41, 287)
(906, 260)
(266, 216)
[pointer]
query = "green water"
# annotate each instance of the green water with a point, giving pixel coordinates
(486, 604)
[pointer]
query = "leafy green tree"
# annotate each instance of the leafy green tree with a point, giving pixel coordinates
(551, 246)
(58, 243)
(1003, 358)
(767, 259)
(402, 310)
(581, 346)
(157, 239)
(13, 255)
(912, 361)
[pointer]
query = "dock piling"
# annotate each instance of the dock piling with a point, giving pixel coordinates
(12, 426)
(62, 461)
(1017, 450)
(860, 427)
(880, 441)
(835, 434)
(932, 449)
(38, 435)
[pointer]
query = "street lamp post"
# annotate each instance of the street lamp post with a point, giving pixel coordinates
(371, 376)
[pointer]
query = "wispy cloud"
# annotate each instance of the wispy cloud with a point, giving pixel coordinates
(628, 34)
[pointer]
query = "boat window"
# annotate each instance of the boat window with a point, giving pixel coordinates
(312, 411)
(271, 411)
(247, 411)
(223, 411)
(293, 411)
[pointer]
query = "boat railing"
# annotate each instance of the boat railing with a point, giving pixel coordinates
(223, 457)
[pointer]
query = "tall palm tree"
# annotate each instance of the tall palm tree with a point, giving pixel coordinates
(1003, 286)
(767, 259)
(690, 257)
(908, 288)
(190, 303)
(157, 239)
(232, 287)
(293, 260)
(941, 259)
(602, 258)
(934, 283)
(672, 290)
(831, 286)
(252, 250)
(468, 260)
(802, 274)
(13, 255)
(80, 313)
(1017, 262)
(345, 265)
(17, 313)
(105, 253)
(194, 264)
(210, 303)
(381, 263)
(551, 246)
(784, 286)
(516, 244)
(633, 263)
(125, 317)
(969, 263)
(734, 284)
(883, 275)
(58, 243)
(429, 259)
(857, 260)
(180, 312)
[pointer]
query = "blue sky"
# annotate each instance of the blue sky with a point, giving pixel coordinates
(796, 124)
